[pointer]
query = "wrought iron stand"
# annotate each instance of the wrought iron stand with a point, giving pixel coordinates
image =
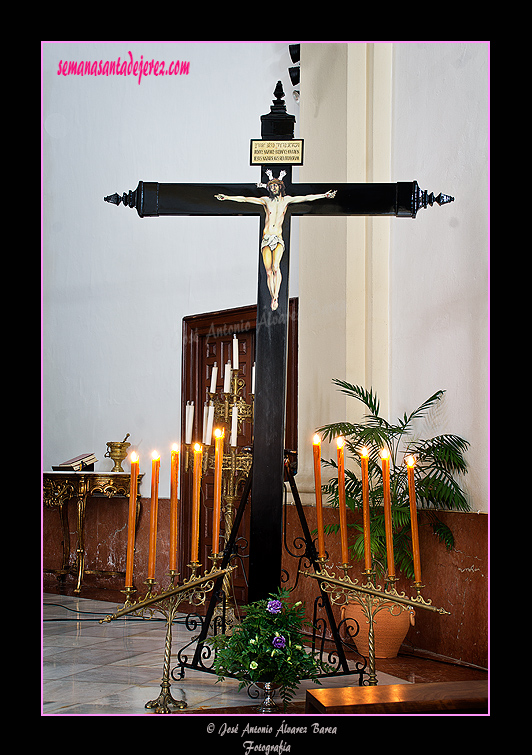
(203, 652)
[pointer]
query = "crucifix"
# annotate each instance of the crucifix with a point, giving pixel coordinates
(276, 152)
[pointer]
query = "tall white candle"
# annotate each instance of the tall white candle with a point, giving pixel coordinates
(227, 377)
(189, 421)
(205, 415)
(234, 426)
(214, 378)
(210, 420)
(253, 379)
(235, 353)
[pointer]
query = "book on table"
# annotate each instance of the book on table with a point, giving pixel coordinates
(83, 462)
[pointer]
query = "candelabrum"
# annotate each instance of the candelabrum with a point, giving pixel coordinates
(371, 597)
(229, 411)
(194, 591)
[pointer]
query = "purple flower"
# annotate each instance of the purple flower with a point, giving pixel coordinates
(279, 642)
(274, 606)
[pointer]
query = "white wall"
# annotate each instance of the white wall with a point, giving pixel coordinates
(399, 305)
(439, 262)
(116, 287)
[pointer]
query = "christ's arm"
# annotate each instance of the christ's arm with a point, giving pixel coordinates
(250, 200)
(311, 197)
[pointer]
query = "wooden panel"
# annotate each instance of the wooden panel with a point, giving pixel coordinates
(208, 338)
(438, 697)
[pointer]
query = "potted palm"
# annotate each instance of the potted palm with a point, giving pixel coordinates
(438, 460)
(266, 649)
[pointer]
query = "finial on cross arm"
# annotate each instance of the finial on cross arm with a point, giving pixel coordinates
(423, 198)
(128, 200)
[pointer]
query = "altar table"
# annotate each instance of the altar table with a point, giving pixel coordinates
(436, 697)
(61, 487)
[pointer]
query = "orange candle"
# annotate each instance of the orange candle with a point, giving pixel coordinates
(218, 461)
(174, 480)
(410, 462)
(364, 454)
(196, 484)
(317, 484)
(134, 459)
(385, 457)
(340, 442)
(155, 464)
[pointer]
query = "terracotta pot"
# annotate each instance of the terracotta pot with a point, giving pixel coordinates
(389, 629)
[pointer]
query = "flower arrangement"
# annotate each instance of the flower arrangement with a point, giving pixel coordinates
(268, 647)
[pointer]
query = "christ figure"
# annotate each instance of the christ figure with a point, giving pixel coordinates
(272, 244)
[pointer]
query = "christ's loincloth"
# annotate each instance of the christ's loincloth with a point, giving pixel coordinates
(272, 241)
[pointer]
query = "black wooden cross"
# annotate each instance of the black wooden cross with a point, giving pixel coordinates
(274, 199)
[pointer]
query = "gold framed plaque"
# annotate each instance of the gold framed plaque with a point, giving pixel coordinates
(277, 152)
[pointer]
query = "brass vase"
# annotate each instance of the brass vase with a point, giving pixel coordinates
(117, 451)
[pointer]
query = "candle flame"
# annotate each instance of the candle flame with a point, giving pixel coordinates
(219, 433)
(197, 447)
(316, 440)
(364, 452)
(155, 455)
(133, 457)
(385, 454)
(410, 461)
(340, 442)
(175, 447)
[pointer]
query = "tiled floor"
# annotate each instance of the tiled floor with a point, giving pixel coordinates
(115, 668)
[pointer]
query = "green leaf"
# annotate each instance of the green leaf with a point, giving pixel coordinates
(368, 398)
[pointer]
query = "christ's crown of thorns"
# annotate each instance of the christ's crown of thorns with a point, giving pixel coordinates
(270, 176)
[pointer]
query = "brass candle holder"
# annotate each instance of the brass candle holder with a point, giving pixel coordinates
(371, 597)
(235, 464)
(193, 590)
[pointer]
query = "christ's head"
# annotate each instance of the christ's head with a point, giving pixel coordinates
(276, 188)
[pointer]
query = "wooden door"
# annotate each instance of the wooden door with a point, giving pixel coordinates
(208, 338)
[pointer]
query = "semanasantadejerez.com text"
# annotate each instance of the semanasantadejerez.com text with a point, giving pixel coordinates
(127, 67)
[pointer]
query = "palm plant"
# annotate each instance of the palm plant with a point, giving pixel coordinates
(437, 460)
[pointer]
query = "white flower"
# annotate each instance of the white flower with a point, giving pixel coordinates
(253, 665)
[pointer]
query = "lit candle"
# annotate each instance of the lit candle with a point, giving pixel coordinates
(253, 379)
(227, 377)
(214, 378)
(234, 426)
(198, 456)
(235, 353)
(410, 462)
(341, 498)
(218, 461)
(385, 457)
(155, 464)
(364, 454)
(174, 479)
(317, 483)
(134, 459)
